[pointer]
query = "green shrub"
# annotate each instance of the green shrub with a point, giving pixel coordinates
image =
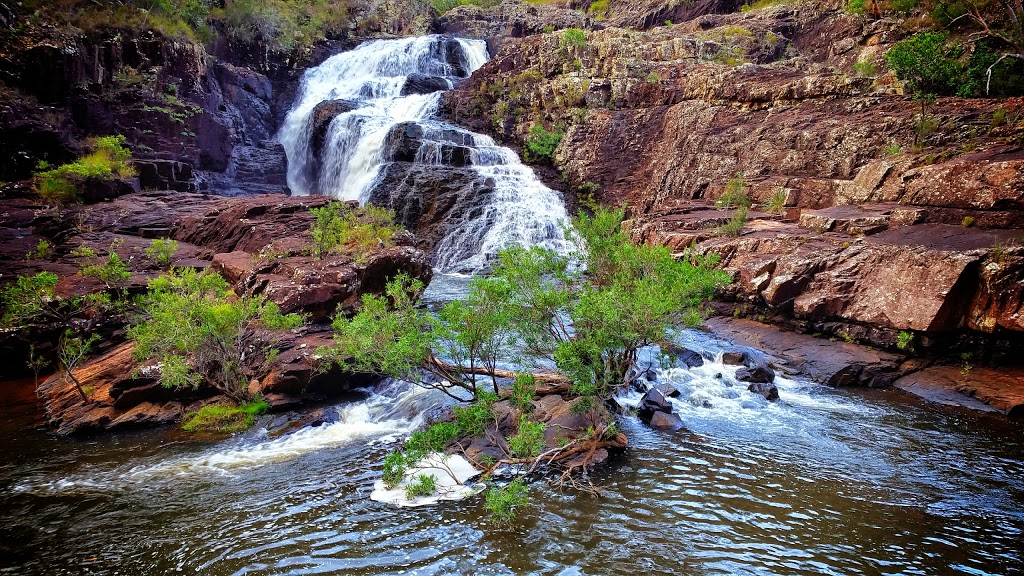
(524, 387)
(224, 418)
(529, 440)
(865, 69)
(200, 331)
(904, 339)
(335, 231)
(777, 203)
(735, 225)
(735, 194)
(42, 251)
(652, 78)
(162, 250)
(855, 7)
(927, 64)
(425, 485)
(967, 222)
(892, 149)
(504, 503)
(599, 9)
(24, 299)
(112, 272)
(395, 465)
(573, 38)
(541, 144)
(107, 159)
(474, 419)
(999, 116)
(434, 439)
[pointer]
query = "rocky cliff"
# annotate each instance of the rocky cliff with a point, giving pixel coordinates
(864, 223)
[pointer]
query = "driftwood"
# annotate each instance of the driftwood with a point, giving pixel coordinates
(547, 382)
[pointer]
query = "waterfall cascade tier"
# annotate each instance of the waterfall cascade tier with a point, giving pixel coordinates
(364, 127)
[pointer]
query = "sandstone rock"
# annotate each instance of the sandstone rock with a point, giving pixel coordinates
(667, 390)
(983, 389)
(684, 356)
(424, 84)
(831, 363)
(665, 421)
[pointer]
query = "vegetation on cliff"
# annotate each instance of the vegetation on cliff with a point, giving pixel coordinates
(108, 158)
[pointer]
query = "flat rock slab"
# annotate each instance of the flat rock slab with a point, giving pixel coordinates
(831, 363)
(985, 389)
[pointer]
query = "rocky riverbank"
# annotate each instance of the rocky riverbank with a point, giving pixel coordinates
(260, 244)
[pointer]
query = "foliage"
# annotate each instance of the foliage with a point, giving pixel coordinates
(199, 331)
(735, 194)
(503, 503)
(425, 485)
(529, 440)
(334, 230)
(541, 143)
(224, 418)
(904, 339)
(589, 324)
(865, 69)
(574, 38)
(162, 250)
(476, 417)
(394, 469)
(758, 4)
(652, 78)
(107, 159)
(777, 203)
(442, 6)
(927, 64)
(892, 149)
(523, 389)
(967, 222)
(42, 251)
(735, 224)
(25, 299)
(71, 350)
(855, 7)
(112, 272)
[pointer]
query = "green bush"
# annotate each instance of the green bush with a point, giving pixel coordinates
(199, 331)
(474, 419)
(855, 7)
(865, 69)
(904, 339)
(529, 440)
(112, 272)
(442, 6)
(162, 250)
(735, 194)
(524, 387)
(335, 230)
(541, 143)
(24, 299)
(927, 64)
(735, 225)
(573, 38)
(505, 503)
(107, 159)
(224, 418)
(777, 203)
(42, 251)
(425, 485)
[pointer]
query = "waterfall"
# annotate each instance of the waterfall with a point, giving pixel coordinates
(383, 97)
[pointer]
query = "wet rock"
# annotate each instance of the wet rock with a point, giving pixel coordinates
(665, 421)
(683, 356)
(653, 401)
(734, 358)
(982, 389)
(323, 114)
(417, 83)
(667, 390)
(766, 389)
(757, 375)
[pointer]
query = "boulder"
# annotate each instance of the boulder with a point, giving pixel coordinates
(667, 390)
(665, 421)
(766, 389)
(734, 358)
(757, 375)
(653, 401)
(683, 356)
(417, 83)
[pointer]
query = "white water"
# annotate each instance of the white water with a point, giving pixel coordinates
(519, 211)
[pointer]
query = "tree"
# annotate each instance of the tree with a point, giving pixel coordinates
(998, 24)
(587, 315)
(200, 332)
(71, 351)
(928, 67)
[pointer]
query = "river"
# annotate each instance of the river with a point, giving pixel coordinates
(823, 481)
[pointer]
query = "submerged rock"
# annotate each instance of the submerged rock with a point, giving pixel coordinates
(766, 389)
(665, 421)
(757, 375)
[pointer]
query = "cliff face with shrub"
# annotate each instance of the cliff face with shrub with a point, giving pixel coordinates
(777, 136)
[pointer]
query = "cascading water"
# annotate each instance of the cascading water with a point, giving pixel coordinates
(385, 95)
